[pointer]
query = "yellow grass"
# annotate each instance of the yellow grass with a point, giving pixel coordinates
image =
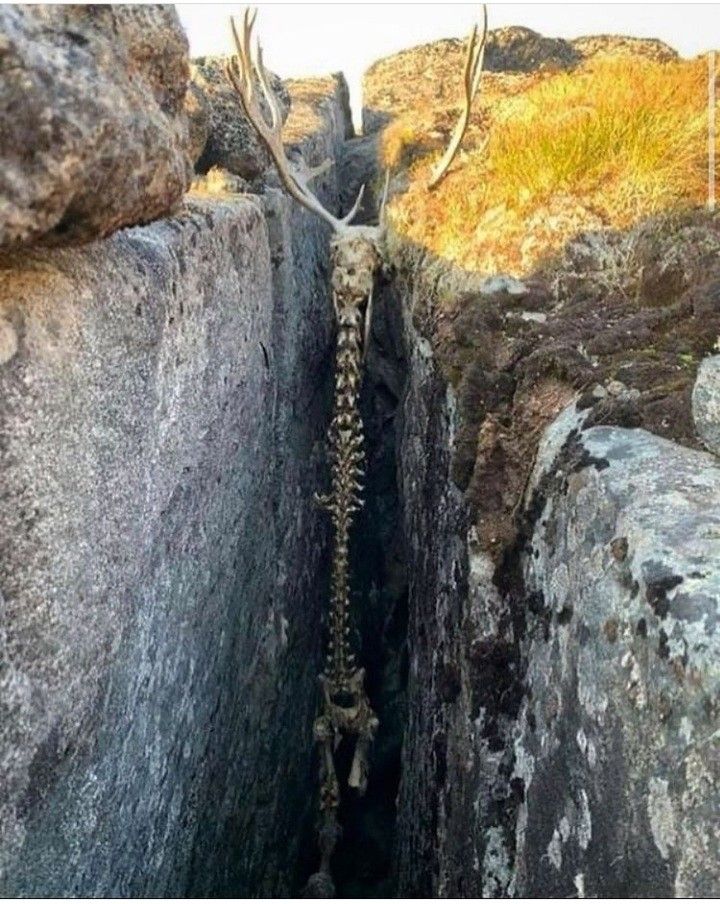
(603, 145)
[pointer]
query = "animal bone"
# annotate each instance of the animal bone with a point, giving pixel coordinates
(471, 83)
(355, 258)
(356, 255)
(243, 71)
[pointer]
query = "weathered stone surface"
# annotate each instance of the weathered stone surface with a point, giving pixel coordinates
(619, 741)
(232, 142)
(468, 825)
(162, 432)
(93, 135)
(624, 45)
(456, 804)
(519, 49)
(706, 403)
(197, 108)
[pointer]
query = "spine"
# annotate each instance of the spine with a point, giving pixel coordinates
(346, 454)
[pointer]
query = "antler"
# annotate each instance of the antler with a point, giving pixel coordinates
(242, 70)
(473, 72)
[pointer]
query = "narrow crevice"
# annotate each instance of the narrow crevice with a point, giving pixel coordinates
(363, 863)
(365, 858)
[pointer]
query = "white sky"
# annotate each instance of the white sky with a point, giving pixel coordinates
(317, 38)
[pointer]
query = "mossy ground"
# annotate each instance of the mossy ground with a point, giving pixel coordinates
(619, 321)
(585, 180)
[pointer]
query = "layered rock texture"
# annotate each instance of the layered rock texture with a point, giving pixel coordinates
(162, 423)
(92, 107)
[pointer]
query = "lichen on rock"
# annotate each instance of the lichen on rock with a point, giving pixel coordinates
(232, 142)
(94, 133)
(706, 402)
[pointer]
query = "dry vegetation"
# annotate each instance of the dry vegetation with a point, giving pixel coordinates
(551, 154)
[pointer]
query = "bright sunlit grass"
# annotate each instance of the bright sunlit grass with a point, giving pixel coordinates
(604, 145)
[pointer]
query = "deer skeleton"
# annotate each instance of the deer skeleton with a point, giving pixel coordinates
(356, 255)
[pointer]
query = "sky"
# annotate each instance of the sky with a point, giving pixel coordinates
(313, 39)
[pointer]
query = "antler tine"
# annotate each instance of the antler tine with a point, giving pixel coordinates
(471, 79)
(349, 216)
(242, 57)
(241, 72)
(272, 102)
(480, 56)
(469, 72)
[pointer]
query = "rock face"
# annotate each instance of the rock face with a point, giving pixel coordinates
(518, 49)
(232, 143)
(564, 705)
(94, 132)
(706, 403)
(619, 744)
(563, 699)
(456, 804)
(162, 422)
(197, 108)
(623, 45)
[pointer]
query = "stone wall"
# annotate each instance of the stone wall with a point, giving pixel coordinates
(456, 804)
(563, 701)
(164, 394)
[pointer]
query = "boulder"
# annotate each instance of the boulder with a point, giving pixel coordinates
(519, 49)
(706, 403)
(197, 108)
(232, 143)
(93, 133)
(618, 744)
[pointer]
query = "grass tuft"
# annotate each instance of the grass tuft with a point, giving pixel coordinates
(603, 145)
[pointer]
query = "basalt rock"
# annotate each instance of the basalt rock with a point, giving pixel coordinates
(93, 132)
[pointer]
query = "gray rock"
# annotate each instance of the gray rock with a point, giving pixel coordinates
(564, 701)
(232, 142)
(358, 167)
(197, 108)
(492, 285)
(706, 403)
(455, 806)
(93, 135)
(618, 747)
(624, 45)
(519, 49)
(162, 431)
